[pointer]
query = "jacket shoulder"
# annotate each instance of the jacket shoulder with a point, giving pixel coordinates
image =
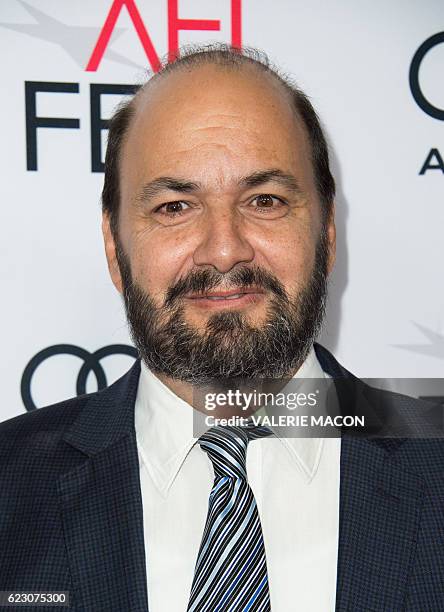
(40, 430)
(52, 416)
(43, 434)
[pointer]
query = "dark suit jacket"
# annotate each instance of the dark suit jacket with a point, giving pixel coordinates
(71, 508)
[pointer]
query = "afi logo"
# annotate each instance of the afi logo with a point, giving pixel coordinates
(98, 123)
(175, 25)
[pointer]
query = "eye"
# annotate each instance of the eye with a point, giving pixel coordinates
(172, 209)
(266, 203)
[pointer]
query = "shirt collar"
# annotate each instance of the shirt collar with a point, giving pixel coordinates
(164, 429)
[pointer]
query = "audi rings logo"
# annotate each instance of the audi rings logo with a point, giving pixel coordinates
(91, 363)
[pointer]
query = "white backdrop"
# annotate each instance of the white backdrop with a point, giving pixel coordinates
(386, 311)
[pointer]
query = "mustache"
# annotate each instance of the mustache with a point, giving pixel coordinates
(200, 281)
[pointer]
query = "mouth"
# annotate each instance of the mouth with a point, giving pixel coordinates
(233, 297)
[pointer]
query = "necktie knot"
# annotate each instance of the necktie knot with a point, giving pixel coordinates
(227, 448)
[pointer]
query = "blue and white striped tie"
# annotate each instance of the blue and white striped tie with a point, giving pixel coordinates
(231, 569)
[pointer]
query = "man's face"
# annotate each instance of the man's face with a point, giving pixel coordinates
(220, 224)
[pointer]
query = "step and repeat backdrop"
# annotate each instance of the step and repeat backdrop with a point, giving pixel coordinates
(373, 69)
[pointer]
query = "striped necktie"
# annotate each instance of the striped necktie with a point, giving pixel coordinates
(231, 569)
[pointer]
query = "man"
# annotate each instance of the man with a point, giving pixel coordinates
(219, 232)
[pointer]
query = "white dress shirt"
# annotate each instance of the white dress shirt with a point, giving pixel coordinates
(295, 482)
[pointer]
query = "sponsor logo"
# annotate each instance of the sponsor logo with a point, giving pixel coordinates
(434, 160)
(91, 364)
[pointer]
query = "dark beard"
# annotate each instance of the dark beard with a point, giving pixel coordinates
(228, 346)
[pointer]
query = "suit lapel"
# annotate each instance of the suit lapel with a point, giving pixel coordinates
(101, 504)
(380, 508)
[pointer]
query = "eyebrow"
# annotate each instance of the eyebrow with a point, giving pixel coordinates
(256, 179)
(153, 188)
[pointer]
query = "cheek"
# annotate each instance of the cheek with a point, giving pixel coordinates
(159, 259)
(289, 254)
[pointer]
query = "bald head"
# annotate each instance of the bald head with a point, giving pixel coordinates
(213, 88)
(217, 126)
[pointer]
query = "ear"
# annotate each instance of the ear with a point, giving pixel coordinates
(331, 239)
(110, 250)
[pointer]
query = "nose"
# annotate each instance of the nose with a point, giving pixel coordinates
(223, 243)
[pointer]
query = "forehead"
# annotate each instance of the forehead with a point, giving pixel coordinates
(212, 122)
